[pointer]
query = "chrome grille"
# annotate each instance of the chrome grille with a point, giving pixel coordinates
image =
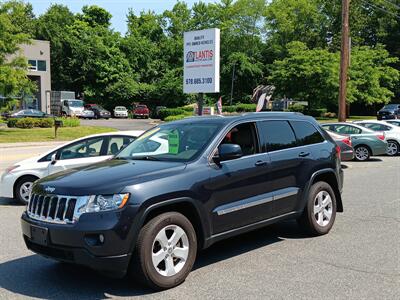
(52, 208)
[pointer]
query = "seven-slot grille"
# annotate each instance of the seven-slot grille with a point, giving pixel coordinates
(52, 208)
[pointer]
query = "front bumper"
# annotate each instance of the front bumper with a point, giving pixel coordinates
(7, 181)
(386, 117)
(79, 243)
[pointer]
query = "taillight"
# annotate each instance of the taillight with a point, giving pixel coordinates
(347, 141)
(381, 137)
(338, 151)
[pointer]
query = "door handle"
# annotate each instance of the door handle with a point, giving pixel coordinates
(304, 154)
(260, 163)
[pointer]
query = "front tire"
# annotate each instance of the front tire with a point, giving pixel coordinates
(23, 188)
(320, 211)
(362, 153)
(165, 251)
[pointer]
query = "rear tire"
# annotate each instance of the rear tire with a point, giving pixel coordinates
(393, 148)
(362, 153)
(320, 211)
(165, 251)
(23, 187)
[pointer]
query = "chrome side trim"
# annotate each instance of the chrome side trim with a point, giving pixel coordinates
(254, 201)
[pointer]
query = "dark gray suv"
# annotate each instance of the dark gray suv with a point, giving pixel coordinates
(183, 186)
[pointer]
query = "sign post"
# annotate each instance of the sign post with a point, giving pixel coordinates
(201, 63)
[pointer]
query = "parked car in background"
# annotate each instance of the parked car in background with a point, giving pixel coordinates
(366, 142)
(392, 133)
(72, 107)
(120, 112)
(156, 111)
(17, 180)
(393, 122)
(149, 214)
(389, 111)
(99, 111)
(87, 114)
(28, 113)
(344, 142)
(141, 111)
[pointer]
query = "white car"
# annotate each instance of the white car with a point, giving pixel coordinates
(120, 112)
(16, 181)
(392, 133)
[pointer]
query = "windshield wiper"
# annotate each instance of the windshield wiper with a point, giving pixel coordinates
(147, 157)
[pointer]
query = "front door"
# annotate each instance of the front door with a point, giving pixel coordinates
(238, 187)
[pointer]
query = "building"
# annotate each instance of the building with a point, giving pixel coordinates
(38, 55)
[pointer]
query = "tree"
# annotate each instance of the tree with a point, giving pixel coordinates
(95, 16)
(13, 66)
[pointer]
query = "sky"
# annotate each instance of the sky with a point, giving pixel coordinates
(118, 8)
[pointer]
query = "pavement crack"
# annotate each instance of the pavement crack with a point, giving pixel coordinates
(358, 270)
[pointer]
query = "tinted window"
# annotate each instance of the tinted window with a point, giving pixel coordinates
(277, 135)
(306, 133)
(117, 143)
(243, 135)
(346, 129)
(87, 148)
(377, 127)
(41, 65)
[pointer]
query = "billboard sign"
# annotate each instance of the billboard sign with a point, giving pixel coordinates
(201, 61)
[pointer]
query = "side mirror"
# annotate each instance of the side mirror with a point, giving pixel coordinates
(54, 158)
(228, 152)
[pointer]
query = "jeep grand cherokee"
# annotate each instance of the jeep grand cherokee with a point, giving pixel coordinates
(183, 186)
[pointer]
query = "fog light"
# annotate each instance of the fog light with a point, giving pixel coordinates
(101, 238)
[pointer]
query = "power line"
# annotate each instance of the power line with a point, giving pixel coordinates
(381, 9)
(394, 4)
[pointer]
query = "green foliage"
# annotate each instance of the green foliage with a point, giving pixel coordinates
(317, 112)
(43, 123)
(167, 112)
(70, 122)
(12, 123)
(175, 118)
(14, 30)
(297, 107)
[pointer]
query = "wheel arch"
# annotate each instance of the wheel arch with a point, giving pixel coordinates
(20, 178)
(187, 207)
(328, 176)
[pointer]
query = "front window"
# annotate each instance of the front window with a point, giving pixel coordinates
(171, 142)
(75, 103)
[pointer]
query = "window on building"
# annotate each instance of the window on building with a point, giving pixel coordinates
(32, 65)
(41, 65)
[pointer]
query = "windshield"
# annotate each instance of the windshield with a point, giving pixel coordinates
(390, 106)
(171, 142)
(75, 103)
(120, 108)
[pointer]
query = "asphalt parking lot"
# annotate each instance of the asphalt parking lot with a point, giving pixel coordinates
(122, 124)
(360, 258)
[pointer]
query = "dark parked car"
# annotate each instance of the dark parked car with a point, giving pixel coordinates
(28, 113)
(99, 112)
(183, 186)
(390, 111)
(141, 111)
(346, 147)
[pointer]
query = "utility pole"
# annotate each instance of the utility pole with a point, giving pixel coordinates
(233, 79)
(344, 60)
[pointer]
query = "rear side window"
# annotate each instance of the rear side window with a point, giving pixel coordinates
(277, 135)
(306, 133)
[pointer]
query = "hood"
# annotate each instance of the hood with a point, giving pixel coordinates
(108, 177)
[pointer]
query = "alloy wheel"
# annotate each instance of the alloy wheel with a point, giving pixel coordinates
(392, 148)
(362, 153)
(170, 250)
(25, 190)
(323, 208)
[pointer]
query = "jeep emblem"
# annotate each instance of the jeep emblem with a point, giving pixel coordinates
(50, 189)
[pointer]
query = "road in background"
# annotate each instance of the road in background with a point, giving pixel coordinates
(123, 124)
(358, 259)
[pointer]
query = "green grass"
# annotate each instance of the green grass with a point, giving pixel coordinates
(14, 135)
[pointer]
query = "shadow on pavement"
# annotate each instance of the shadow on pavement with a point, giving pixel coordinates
(9, 202)
(34, 276)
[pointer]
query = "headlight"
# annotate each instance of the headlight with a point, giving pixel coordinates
(103, 203)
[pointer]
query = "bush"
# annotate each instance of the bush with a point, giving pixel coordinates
(241, 107)
(297, 108)
(330, 115)
(26, 123)
(70, 122)
(175, 118)
(317, 113)
(229, 109)
(167, 112)
(43, 123)
(12, 123)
